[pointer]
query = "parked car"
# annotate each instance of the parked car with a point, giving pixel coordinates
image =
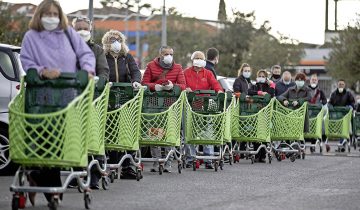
(226, 82)
(10, 73)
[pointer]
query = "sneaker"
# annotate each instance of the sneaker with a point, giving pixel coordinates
(167, 170)
(127, 173)
(209, 166)
(95, 187)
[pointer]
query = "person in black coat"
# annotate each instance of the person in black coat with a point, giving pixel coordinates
(284, 84)
(275, 73)
(212, 59)
(341, 96)
(262, 87)
(242, 83)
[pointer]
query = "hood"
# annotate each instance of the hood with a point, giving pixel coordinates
(107, 44)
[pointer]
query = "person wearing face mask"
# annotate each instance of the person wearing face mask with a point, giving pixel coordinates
(212, 59)
(161, 74)
(299, 92)
(341, 97)
(284, 84)
(242, 82)
(122, 65)
(83, 26)
(275, 73)
(52, 47)
(199, 78)
(317, 95)
(262, 87)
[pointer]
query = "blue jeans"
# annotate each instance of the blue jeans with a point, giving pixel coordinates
(190, 152)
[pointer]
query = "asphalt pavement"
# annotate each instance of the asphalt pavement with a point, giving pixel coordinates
(317, 182)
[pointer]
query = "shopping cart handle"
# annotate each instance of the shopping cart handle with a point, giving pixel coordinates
(211, 92)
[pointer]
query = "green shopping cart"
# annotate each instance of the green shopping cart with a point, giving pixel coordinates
(316, 115)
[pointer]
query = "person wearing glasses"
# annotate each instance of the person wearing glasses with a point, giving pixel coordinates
(262, 87)
(82, 25)
(122, 65)
(123, 68)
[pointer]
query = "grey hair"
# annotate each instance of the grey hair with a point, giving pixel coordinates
(84, 18)
(197, 52)
(166, 47)
(275, 67)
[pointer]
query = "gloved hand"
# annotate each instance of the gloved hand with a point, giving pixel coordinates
(158, 87)
(220, 91)
(188, 90)
(136, 85)
(50, 74)
(295, 103)
(168, 86)
(286, 103)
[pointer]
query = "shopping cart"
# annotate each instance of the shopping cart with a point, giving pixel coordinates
(337, 127)
(356, 130)
(316, 115)
(251, 123)
(288, 128)
(49, 129)
(161, 124)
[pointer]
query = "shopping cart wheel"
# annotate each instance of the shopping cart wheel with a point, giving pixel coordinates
(221, 164)
(180, 167)
(278, 156)
(112, 176)
(54, 203)
(293, 157)
(216, 166)
(252, 159)
(161, 169)
(138, 175)
(349, 148)
(231, 160)
(270, 158)
(15, 202)
(105, 182)
(303, 155)
(87, 200)
(194, 166)
(320, 149)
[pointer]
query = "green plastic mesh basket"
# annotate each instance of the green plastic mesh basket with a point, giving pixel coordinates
(251, 121)
(98, 111)
(161, 118)
(205, 118)
(316, 114)
(55, 139)
(356, 124)
(229, 110)
(288, 124)
(122, 129)
(337, 123)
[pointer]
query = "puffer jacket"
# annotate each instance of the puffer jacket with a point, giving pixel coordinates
(153, 73)
(201, 80)
(241, 85)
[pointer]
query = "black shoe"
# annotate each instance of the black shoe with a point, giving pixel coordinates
(189, 165)
(342, 149)
(209, 166)
(127, 173)
(261, 160)
(95, 187)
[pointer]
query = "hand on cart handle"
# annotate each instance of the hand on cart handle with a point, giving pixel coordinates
(50, 73)
(295, 103)
(286, 102)
(188, 90)
(158, 87)
(136, 85)
(168, 86)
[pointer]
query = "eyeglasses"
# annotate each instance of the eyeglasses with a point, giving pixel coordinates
(85, 19)
(113, 39)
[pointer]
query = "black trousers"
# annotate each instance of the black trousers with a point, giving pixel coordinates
(47, 177)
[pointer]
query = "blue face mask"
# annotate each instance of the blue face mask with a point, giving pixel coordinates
(246, 74)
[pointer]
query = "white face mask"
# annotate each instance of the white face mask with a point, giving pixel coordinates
(287, 82)
(199, 63)
(313, 85)
(261, 79)
(299, 83)
(341, 90)
(86, 35)
(116, 47)
(50, 23)
(358, 101)
(246, 74)
(168, 59)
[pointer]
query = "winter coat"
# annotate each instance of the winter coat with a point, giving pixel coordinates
(342, 99)
(241, 85)
(281, 87)
(201, 80)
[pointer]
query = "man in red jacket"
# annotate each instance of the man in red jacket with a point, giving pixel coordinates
(162, 74)
(199, 78)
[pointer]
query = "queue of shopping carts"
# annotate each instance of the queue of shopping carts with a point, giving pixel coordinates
(70, 124)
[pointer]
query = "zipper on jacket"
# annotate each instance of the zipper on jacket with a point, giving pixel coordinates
(116, 69)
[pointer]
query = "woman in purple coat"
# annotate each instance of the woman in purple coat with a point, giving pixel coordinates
(52, 47)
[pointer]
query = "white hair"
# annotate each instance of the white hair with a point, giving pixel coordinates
(195, 53)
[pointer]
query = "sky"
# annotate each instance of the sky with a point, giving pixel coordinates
(303, 20)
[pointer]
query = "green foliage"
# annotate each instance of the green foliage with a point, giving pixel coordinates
(222, 11)
(12, 27)
(344, 59)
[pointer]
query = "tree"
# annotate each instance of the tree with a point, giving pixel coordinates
(222, 11)
(13, 26)
(344, 59)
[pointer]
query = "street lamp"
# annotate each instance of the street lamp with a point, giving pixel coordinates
(138, 30)
(163, 27)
